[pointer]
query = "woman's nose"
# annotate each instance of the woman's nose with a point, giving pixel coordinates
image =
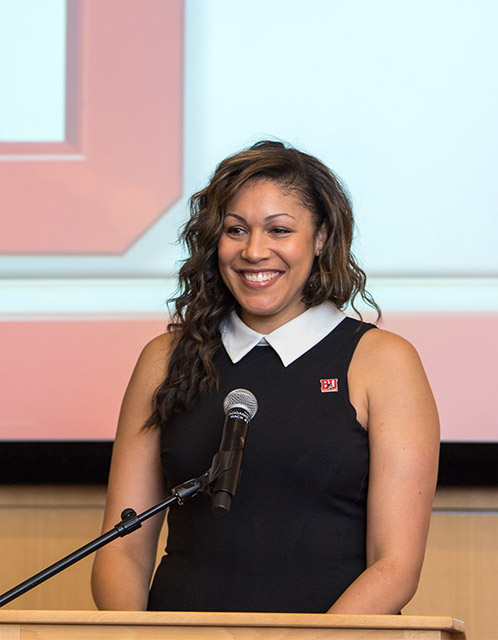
(256, 247)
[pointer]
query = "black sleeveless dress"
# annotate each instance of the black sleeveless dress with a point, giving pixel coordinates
(294, 539)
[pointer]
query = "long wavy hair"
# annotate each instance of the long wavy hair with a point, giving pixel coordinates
(203, 300)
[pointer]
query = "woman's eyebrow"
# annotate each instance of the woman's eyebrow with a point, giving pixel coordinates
(270, 217)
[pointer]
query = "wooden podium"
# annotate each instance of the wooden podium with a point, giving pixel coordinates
(124, 625)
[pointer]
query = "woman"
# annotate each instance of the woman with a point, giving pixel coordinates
(333, 507)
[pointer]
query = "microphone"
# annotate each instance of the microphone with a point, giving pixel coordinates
(240, 407)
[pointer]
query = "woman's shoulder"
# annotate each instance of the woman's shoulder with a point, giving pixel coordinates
(386, 345)
(382, 355)
(158, 346)
(388, 384)
(152, 365)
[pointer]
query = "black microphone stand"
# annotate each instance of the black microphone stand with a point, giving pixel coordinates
(130, 521)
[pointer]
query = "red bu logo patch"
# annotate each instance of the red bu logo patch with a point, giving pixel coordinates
(330, 384)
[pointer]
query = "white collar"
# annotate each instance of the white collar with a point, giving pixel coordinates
(290, 341)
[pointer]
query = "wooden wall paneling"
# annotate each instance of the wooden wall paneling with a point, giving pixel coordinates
(459, 579)
(460, 572)
(40, 525)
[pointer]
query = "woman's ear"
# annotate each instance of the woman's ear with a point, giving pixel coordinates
(320, 239)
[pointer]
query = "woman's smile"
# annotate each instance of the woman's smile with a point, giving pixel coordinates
(262, 278)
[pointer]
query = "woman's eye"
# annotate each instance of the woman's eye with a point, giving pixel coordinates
(234, 231)
(279, 231)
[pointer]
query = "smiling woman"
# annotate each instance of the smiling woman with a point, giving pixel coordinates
(339, 468)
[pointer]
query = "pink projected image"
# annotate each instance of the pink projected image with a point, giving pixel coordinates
(120, 166)
(65, 380)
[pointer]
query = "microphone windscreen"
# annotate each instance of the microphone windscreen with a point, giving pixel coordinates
(241, 399)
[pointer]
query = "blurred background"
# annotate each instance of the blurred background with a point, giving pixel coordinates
(113, 113)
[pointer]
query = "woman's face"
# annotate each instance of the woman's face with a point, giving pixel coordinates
(266, 252)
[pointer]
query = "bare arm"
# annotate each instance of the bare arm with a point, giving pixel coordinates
(122, 570)
(393, 399)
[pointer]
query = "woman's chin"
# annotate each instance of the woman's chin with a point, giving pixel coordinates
(267, 318)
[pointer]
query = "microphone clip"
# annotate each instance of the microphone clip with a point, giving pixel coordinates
(222, 462)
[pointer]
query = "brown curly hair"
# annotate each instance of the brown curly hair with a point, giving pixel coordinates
(204, 301)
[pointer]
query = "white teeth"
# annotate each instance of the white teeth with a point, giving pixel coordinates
(260, 277)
